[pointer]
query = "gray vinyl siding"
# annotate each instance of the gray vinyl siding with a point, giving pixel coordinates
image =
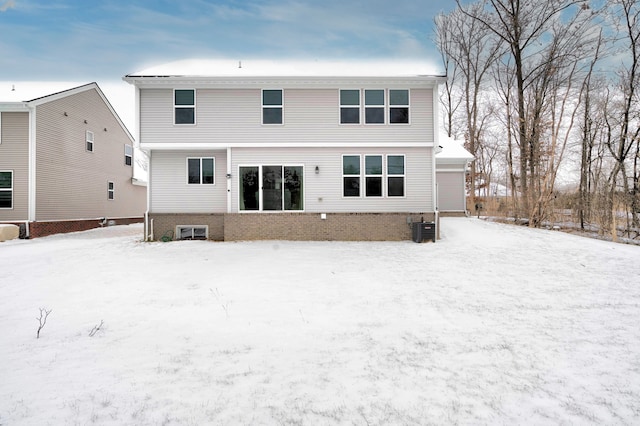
(14, 156)
(72, 182)
(451, 191)
(323, 191)
(234, 116)
(169, 191)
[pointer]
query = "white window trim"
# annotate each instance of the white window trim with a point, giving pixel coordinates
(408, 106)
(130, 155)
(11, 189)
(201, 158)
(359, 106)
(403, 175)
(0, 128)
(381, 176)
(195, 118)
(260, 199)
(89, 138)
(281, 106)
(111, 191)
(359, 175)
(179, 227)
(383, 106)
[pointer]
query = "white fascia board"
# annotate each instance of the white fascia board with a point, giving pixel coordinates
(14, 107)
(284, 82)
(200, 146)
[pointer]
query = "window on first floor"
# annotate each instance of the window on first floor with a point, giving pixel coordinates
(6, 189)
(110, 191)
(271, 188)
(128, 155)
(200, 171)
(374, 172)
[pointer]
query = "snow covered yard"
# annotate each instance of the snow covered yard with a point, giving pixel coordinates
(494, 324)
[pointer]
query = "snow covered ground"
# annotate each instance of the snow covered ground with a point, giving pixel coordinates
(493, 324)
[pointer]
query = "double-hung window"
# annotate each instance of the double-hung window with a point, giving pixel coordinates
(272, 106)
(88, 141)
(184, 105)
(350, 106)
(395, 175)
(200, 171)
(399, 106)
(111, 190)
(374, 106)
(351, 175)
(128, 155)
(373, 175)
(6, 189)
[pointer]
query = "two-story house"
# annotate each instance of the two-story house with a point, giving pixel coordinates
(66, 161)
(243, 150)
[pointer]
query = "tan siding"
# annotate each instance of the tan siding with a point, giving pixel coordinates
(451, 192)
(14, 156)
(323, 191)
(310, 116)
(170, 192)
(71, 182)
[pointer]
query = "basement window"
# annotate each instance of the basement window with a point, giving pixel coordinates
(190, 232)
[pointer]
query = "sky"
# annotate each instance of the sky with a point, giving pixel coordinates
(105, 40)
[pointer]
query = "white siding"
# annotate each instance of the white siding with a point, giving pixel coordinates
(14, 156)
(451, 191)
(233, 116)
(170, 192)
(323, 191)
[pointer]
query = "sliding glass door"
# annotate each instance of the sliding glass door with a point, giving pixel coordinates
(271, 188)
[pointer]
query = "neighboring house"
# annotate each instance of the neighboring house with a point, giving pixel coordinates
(66, 162)
(452, 163)
(288, 150)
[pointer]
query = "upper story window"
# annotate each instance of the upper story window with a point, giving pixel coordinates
(200, 171)
(89, 141)
(272, 106)
(6, 189)
(128, 155)
(374, 106)
(184, 104)
(349, 106)
(399, 106)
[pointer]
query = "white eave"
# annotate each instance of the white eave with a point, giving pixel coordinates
(14, 107)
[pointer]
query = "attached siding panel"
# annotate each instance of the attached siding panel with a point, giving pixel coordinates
(170, 192)
(234, 116)
(323, 191)
(451, 191)
(14, 156)
(72, 182)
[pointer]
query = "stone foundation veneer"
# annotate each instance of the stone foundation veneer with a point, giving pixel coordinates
(292, 226)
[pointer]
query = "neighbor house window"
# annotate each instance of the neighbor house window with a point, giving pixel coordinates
(0, 127)
(200, 171)
(184, 104)
(351, 175)
(272, 107)
(184, 232)
(373, 175)
(349, 106)
(374, 106)
(89, 141)
(395, 175)
(128, 155)
(271, 188)
(6, 189)
(399, 106)
(110, 191)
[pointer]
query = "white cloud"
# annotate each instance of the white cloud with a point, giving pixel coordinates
(7, 4)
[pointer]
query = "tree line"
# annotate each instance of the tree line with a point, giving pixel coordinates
(545, 95)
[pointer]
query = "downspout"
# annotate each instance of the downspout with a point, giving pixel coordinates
(31, 213)
(436, 142)
(229, 177)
